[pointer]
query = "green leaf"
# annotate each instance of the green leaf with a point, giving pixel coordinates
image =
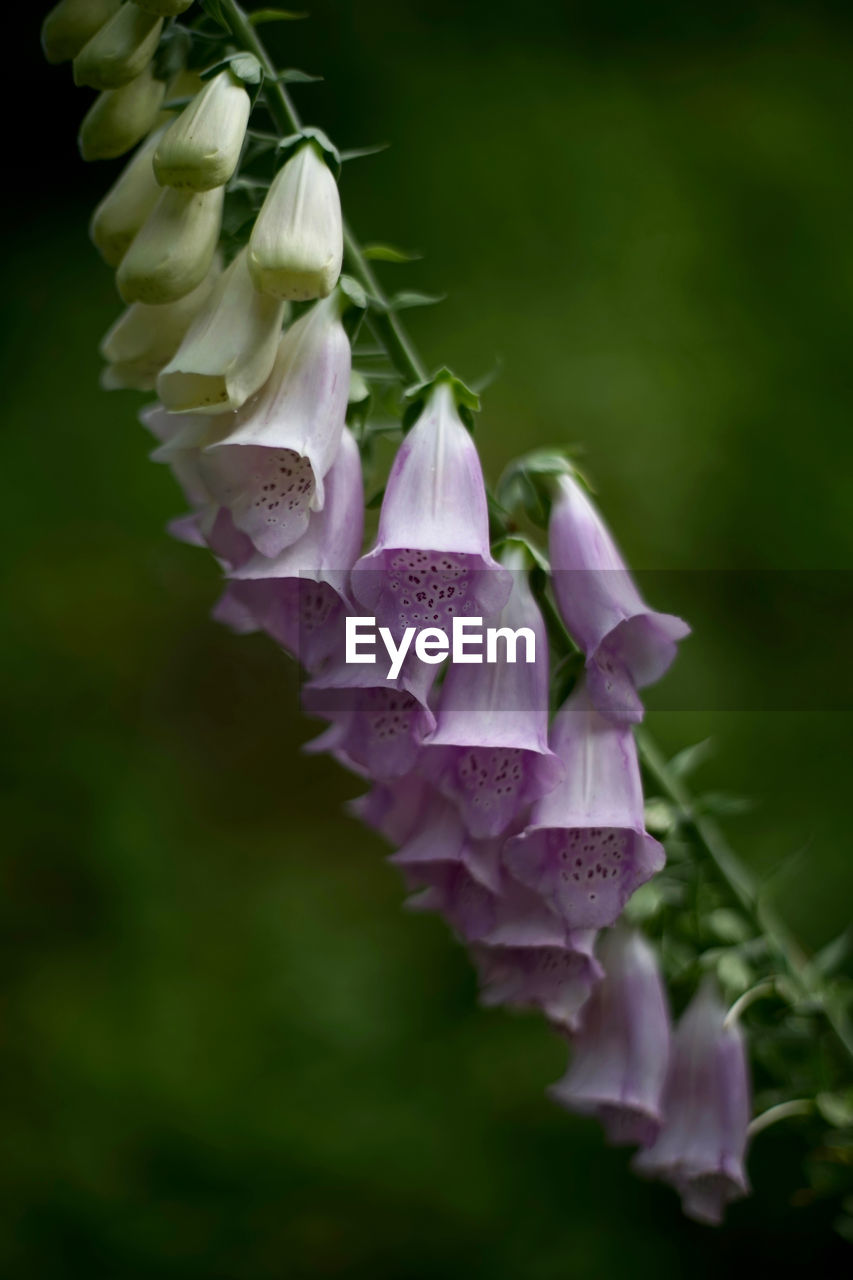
(724, 805)
(353, 292)
(688, 760)
(244, 66)
(660, 816)
(386, 252)
(275, 15)
(358, 153)
(837, 1108)
(409, 298)
(292, 75)
(734, 973)
(831, 957)
(729, 926)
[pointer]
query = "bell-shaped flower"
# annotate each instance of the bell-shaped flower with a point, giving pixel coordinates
(394, 809)
(71, 24)
(229, 352)
(557, 979)
(626, 644)
(585, 849)
(119, 118)
(126, 205)
(268, 471)
(144, 338)
(181, 440)
(707, 1103)
(489, 753)
(620, 1052)
(377, 726)
(296, 247)
(174, 248)
(119, 50)
(300, 596)
(431, 561)
(201, 148)
(165, 8)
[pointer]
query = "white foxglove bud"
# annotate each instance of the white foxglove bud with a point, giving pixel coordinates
(120, 50)
(296, 248)
(230, 350)
(174, 248)
(145, 338)
(201, 148)
(166, 8)
(71, 24)
(117, 119)
(127, 204)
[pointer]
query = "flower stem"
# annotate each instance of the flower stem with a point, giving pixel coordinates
(385, 324)
(392, 334)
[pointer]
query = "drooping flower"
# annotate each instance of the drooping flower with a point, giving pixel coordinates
(71, 23)
(144, 338)
(174, 248)
(119, 118)
(627, 645)
(201, 148)
(119, 50)
(701, 1147)
(296, 247)
(229, 351)
(394, 808)
(126, 205)
(300, 596)
(620, 1052)
(268, 471)
(432, 561)
(377, 727)
(490, 753)
(586, 849)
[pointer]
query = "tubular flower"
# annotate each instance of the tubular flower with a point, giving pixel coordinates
(395, 809)
(586, 849)
(557, 980)
(489, 753)
(299, 597)
(296, 249)
(701, 1146)
(174, 249)
(627, 645)
(621, 1050)
(432, 560)
(120, 50)
(201, 148)
(126, 205)
(230, 350)
(268, 471)
(144, 338)
(377, 726)
(119, 118)
(71, 24)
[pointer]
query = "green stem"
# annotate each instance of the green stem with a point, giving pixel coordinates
(401, 351)
(385, 324)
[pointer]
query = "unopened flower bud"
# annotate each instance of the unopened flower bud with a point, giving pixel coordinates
(174, 248)
(144, 338)
(230, 350)
(118, 118)
(71, 24)
(201, 148)
(127, 204)
(122, 48)
(296, 248)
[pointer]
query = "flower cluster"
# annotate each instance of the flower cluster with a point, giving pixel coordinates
(515, 813)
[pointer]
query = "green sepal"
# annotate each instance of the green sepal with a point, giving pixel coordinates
(287, 146)
(360, 153)
(292, 75)
(527, 482)
(387, 252)
(275, 15)
(467, 401)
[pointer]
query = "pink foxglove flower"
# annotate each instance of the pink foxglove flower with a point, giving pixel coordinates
(269, 470)
(585, 849)
(377, 726)
(621, 1050)
(701, 1147)
(489, 753)
(432, 560)
(299, 597)
(396, 808)
(627, 646)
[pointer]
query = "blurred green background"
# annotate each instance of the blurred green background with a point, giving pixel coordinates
(227, 1052)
